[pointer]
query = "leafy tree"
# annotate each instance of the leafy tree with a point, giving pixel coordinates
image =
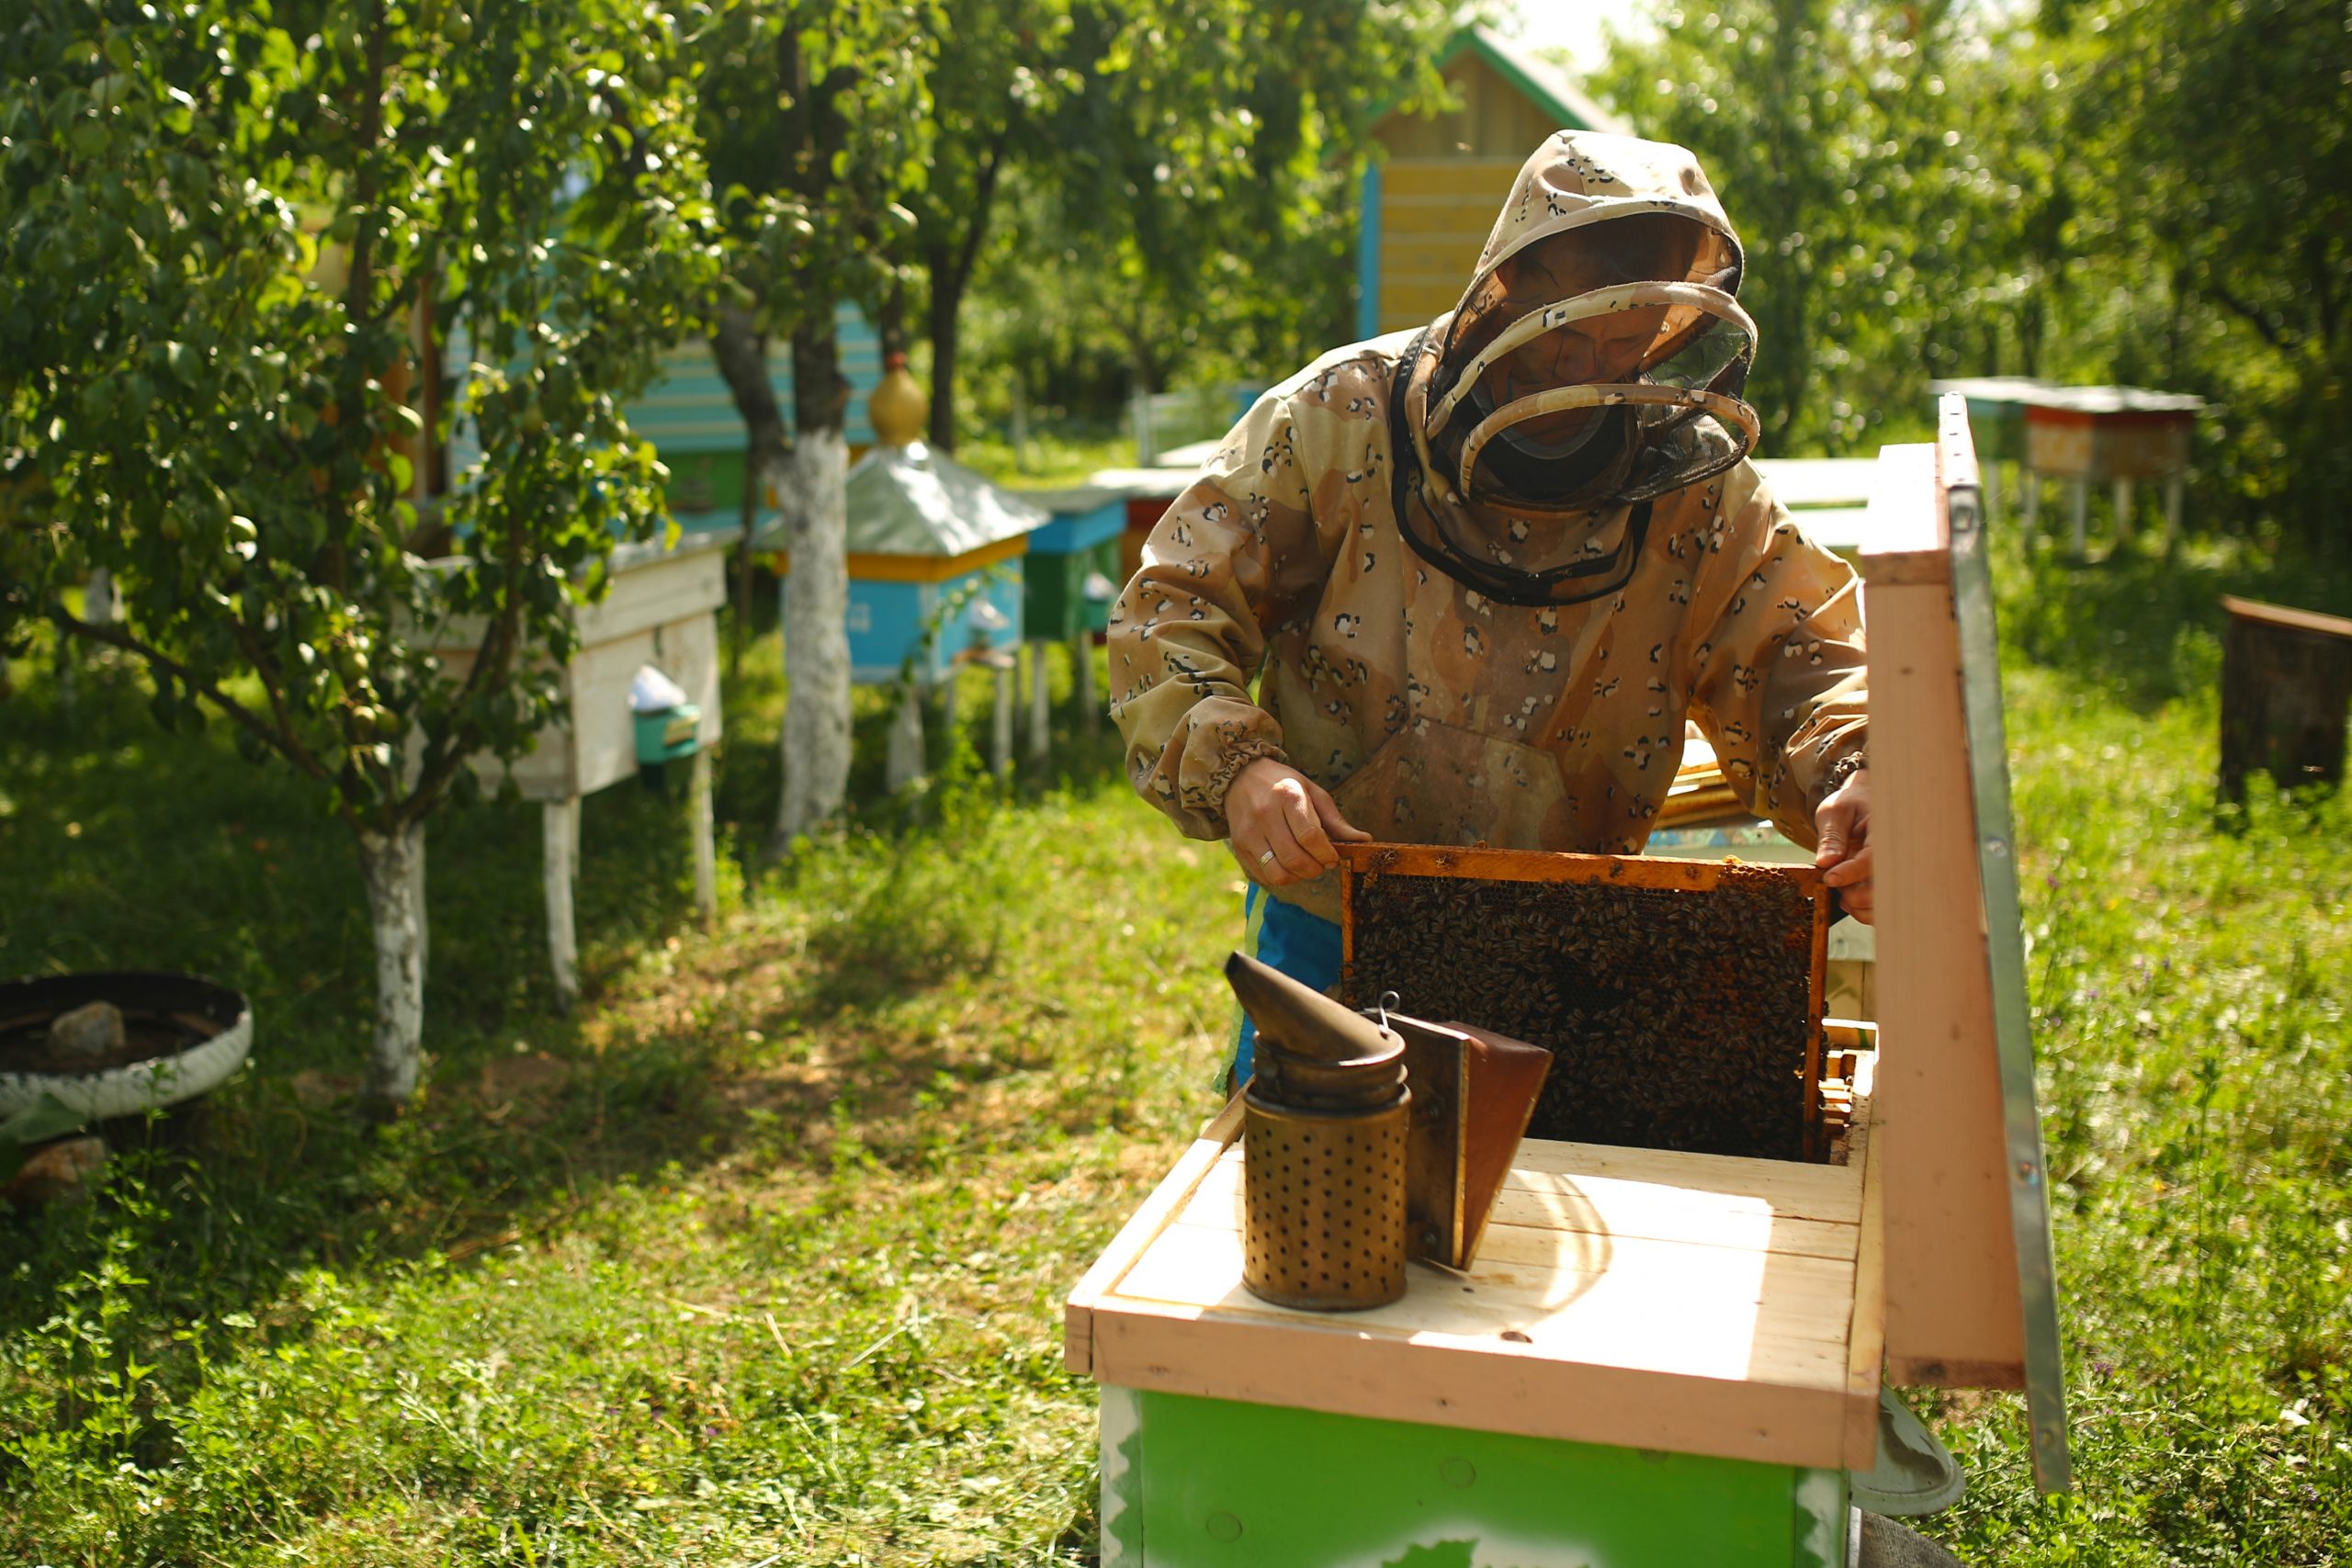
(816, 116)
(1003, 66)
(1209, 186)
(2218, 159)
(1864, 190)
(2145, 191)
(235, 414)
(1175, 198)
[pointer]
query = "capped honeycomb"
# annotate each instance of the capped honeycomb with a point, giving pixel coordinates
(1681, 1003)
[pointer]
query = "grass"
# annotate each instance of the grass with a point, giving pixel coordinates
(756, 1258)
(1055, 455)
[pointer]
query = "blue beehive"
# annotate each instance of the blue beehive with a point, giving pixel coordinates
(688, 413)
(926, 533)
(689, 416)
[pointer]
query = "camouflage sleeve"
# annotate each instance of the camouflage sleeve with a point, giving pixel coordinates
(1781, 687)
(1232, 561)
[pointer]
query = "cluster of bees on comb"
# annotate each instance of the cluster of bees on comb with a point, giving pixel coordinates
(1677, 1018)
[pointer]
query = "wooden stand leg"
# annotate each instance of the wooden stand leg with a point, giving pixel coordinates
(2081, 498)
(1081, 660)
(1000, 725)
(560, 822)
(706, 839)
(904, 762)
(1041, 704)
(2122, 510)
(2172, 512)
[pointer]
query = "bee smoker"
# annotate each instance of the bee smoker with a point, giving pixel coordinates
(1325, 1124)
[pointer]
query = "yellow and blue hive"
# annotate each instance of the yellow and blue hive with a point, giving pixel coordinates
(934, 547)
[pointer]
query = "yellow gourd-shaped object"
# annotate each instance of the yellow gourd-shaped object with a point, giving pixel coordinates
(897, 408)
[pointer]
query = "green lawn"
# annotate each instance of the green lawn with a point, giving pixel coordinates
(757, 1258)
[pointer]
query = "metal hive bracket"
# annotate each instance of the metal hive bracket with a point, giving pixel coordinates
(2004, 929)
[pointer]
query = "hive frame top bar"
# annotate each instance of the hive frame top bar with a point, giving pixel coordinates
(1543, 865)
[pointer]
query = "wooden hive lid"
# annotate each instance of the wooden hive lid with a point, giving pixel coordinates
(1970, 1288)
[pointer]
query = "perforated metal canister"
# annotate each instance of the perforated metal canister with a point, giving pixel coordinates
(1323, 1180)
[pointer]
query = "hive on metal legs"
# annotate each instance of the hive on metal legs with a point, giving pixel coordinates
(1680, 1000)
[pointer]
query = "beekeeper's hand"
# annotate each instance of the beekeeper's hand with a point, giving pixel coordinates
(1282, 823)
(1842, 826)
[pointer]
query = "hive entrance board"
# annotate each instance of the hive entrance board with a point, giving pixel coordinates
(1680, 1000)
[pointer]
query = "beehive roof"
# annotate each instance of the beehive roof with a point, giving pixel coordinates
(912, 501)
(1541, 82)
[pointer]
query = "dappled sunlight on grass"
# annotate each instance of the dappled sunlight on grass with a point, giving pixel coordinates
(2188, 977)
(761, 1252)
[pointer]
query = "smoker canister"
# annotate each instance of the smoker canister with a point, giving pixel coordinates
(1323, 1178)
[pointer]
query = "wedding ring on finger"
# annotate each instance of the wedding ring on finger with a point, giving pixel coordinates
(1267, 858)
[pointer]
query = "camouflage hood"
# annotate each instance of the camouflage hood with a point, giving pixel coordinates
(1594, 362)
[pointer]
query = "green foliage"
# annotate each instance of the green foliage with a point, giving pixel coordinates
(221, 226)
(2152, 192)
(2216, 211)
(1003, 66)
(1870, 201)
(763, 1252)
(1192, 216)
(818, 122)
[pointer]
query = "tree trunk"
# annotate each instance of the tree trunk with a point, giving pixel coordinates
(742, 352)
(814, 503)
(905, 759)
(950, 269)
(393, 867)
(947, 295)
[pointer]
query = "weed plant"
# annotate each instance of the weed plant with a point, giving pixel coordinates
(756, 1257)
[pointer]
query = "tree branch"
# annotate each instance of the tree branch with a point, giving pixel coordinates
(113, 634)
(492, 660)
(2323, 278)
(983, 196)
(293, 747)
(2285, 343)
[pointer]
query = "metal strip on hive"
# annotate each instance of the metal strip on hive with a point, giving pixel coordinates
(2004, 929)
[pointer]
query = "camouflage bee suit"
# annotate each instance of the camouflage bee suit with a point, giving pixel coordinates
(1436, 713)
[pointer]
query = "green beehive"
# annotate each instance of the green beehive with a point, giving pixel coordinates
(1079, 545)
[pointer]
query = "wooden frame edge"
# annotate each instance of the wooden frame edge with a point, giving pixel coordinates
(1489, 865)
(1143, 1227)
(1866, 1335)
(1324, 1367)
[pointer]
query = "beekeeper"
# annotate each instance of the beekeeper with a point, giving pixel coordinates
(1479, 573)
